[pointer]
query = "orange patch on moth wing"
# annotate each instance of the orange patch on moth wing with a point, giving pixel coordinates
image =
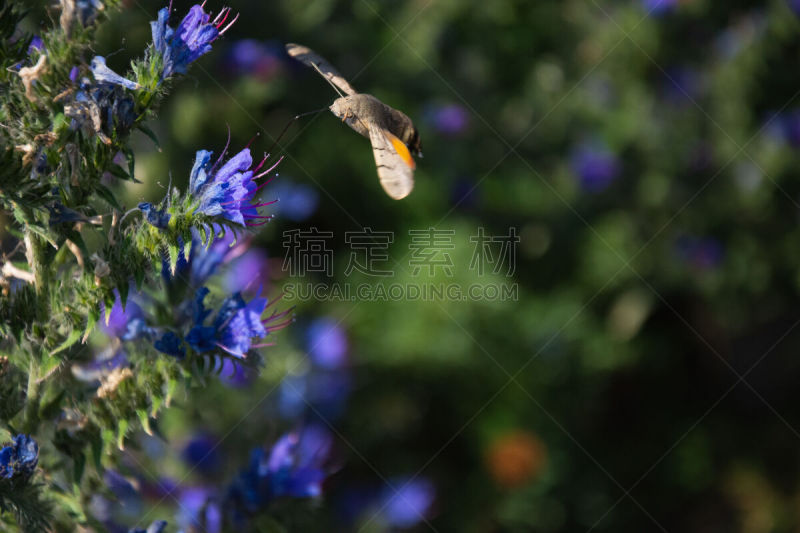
(402, 150)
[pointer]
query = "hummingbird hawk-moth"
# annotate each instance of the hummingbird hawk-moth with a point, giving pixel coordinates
(392, 134)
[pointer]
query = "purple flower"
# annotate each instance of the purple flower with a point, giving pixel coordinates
(103, 74)
(193, 38)
(101, 365)
(102, 109)
(326, 391)
(293, 468)
(702, 253)
(73, 74)
(327, 343)
(795, 6)
(409, 503)
(658, 7)
(202, 453)
(156, 527)
(199, 510)
(170, 344)
(249, 271)
(19, 458)
(235, 375)
(227, 191)
(681, 85)
(298, 201)
(126, 324)
(156, 217)
(37, 45)
(235, 326)
(786, 126)
(88, 10)
(451, 119)
(253, 58)
(595, 165)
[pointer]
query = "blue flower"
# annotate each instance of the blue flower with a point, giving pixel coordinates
(193, 38)
(227, 191)
(19, 458)
(595, 165)
(156, 217)
(202, 453)
(104, 74)
(126, 324)
(408, 505)
(701, 253)
(200, 510)
(293, 468)
(170, 344)
(88, 10)
(156, 527)
(327, 343)
(37, 45)
(101, 109)
(234, 327)
(658, 7)
(298, 201)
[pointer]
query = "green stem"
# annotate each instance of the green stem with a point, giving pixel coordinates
(35, 253)
(31, 419)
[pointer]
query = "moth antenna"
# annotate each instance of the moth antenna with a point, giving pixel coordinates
(335, 88)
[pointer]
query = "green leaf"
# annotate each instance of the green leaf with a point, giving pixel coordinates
(144, 418)
(122, 428)
(123, 293)
(73, 337)
(92, 316)
(119, 172)
(156, 402)
(173, 252)
(131, 163)
(106, 194)
(150, 133)
(78, 467)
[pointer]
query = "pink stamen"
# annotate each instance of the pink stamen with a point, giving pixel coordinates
(266, 156)
(224, 151)
(226, 28)
(253, 138)
(257, 216)
(264, 204)
(221, 12)
(276, 300)
(280, 326)
(249, 225)
(277, 316)
(262, 345)
(270, 169)
(242, 355)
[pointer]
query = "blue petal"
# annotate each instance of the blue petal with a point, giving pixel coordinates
(199, 176)
(170, 344)
(202, 338)
(104, 74)
(156, 217)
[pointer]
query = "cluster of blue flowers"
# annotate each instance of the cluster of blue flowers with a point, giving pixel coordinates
(227, 191)
(102, 106)
(294, 467)
(193, 38)
(19, 459)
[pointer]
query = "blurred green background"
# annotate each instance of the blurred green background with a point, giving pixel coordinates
(645, 152)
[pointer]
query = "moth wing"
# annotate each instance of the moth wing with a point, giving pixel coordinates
(394, 162)
(312, 59)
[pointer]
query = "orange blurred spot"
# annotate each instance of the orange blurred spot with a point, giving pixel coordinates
(515, 458)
